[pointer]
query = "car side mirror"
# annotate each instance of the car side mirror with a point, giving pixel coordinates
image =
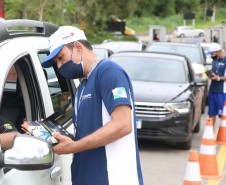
(199, 82)
(28, 153)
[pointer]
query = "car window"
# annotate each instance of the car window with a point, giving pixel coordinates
(153, 69)
(21, 98)
(59, 91)
(191, 52)
(11, 84)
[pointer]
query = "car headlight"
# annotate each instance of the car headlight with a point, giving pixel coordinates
(182, 107)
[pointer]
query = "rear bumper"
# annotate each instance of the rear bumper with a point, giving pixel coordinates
(173, 128)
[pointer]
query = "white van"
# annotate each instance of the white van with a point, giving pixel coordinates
(29, 92)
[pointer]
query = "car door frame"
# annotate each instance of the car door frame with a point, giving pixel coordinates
(197, 91)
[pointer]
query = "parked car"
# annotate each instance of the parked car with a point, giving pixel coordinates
(103, 53)
(168, 95)
(188, 31)
(194, 52)
(29, 92)
(117, 46)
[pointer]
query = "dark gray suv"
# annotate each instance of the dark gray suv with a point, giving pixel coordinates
(195, 54)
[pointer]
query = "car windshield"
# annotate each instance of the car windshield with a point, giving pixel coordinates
(206, 49)
(191, 52)
(152, 69)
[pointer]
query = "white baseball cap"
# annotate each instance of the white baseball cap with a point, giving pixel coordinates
(64, 35)
(213, 47)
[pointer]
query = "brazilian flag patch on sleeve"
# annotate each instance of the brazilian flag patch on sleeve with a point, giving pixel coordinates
(119, 92)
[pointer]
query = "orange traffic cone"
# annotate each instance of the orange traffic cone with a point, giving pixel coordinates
(221, 136)
(192, 174)
(207, 154)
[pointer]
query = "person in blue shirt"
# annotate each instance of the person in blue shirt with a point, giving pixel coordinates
(217, 91)
(105, 146)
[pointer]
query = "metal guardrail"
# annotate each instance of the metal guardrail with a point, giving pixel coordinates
(40, 28)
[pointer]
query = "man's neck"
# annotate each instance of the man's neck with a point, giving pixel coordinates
(221, 55)
(90, 67)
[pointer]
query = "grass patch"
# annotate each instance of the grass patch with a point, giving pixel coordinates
(142, 24)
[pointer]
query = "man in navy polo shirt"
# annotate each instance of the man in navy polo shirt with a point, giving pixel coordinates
(105, 147)
(217, 91)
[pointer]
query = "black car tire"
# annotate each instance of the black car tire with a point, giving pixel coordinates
(184, 145)
(197, 127)
(203, 105)
(182, 35)
(207, 100)
(201, 34)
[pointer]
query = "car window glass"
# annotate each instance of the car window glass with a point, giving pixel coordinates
(10, 84)
(20, 99)
(153, 69)
(191, 52)
(59, 91)
(12, 105)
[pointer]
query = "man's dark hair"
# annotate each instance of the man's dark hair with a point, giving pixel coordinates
(83, 42)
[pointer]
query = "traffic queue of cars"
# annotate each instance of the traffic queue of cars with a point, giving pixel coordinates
(168, 95)
(170, 89)
(194, 52)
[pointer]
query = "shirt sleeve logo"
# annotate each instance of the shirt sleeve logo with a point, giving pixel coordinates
(119, 92)
(8, 126)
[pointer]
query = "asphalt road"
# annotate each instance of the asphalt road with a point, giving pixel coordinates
(162, 164)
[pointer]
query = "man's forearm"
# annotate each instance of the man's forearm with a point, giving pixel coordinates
(6, 140)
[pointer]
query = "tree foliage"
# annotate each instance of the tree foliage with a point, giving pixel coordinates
(93, 14)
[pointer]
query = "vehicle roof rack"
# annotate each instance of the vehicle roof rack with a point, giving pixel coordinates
(40, 28)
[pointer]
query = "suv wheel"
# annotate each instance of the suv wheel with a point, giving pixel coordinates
(203, 105)
(182, 35)
(201, 34)
(184, 145)
(197, 127)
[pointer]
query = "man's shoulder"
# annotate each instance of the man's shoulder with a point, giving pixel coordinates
(108, 64)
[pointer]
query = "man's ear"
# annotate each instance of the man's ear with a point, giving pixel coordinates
(78, 46)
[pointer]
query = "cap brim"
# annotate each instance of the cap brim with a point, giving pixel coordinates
(209, 52)
(48, 62)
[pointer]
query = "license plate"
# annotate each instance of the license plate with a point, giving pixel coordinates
(139, 123)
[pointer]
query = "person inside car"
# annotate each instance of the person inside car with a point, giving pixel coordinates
(7, 133)
(105, 148)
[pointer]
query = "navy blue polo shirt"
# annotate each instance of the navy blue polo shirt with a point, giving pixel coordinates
(219, 67)
(116, 163)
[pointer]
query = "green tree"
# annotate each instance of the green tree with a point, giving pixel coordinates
(164, 8)
(55, 11)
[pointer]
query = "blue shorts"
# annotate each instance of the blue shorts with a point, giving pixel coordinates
(216, 103)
